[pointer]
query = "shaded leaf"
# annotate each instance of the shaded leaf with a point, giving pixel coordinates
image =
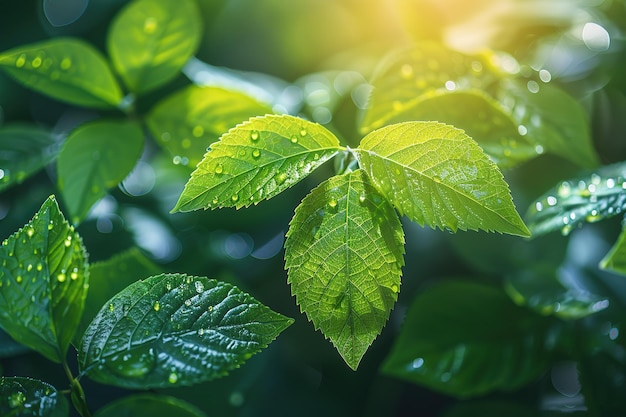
(150, 40)
(551, 118)
(588, 198)
(9, 347)
(490, 409)
(344, 252)
(615, 260)
(451, 343)
(66, 69)
(438, 176)
(173, 329)
(255, 161)
(109, 277)
(24, 150)
(149, 405)
(96, 157)
(30, 397)
(190, 120)
(546, 292)
(43, 282)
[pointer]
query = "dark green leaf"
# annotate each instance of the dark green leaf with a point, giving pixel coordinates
(451, 341)
(9, 347)
(615, 260)
(66, 69)
(24, 150)
(149, 405)
(22, 397)
(173, 329)
(43, 282)
(438, 176)
(490, 409)
(589, 198)
(190, 120)
(96, 157)
(109, 277)
(150, 41)
(344, 252)
(255, 161)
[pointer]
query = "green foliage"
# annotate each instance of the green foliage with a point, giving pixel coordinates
(30, 397)
(150, 405)
(615, 260)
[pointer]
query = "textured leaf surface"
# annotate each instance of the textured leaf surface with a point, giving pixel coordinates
(30, 397)
(66, 69)
(95, 158)
(589, 198)
(109, 277)
(344, 252)
(149, 405)
(24, 150)
(451, 343)
(150, 41)
(438, 176)
(190, 120)
(43, 282)
(615, 260)
(257, 160)
(551, 118)
(544, 291)
(173, 329)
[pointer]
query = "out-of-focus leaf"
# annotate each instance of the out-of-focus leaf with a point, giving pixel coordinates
(615, 260)
(438, 176)
(43, 282)
(109, 277)
(344, 252)
(490, 409)
(150, 41)
(149, 405)
(24, 150)
(255, 161)
(452, 343)
(96, 157)
(190, 120)
(589, 198)
(65, 69)
(173, 329)
(9, 347)
(30, 397)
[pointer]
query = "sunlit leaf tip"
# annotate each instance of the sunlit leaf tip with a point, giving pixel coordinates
(255, 161)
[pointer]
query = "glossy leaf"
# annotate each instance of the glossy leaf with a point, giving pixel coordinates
(107, 278)
(551, 118)
(43, 282)
(172, 329)
(150, 40)
(451, 343)
(190, 120)
(96, 157)
(615, 260)
(438, 176)
(255, 161)
(149, 405)
(30, 397)
(66, 69)
(344, 252)
(544, 291)
(24, 150)
(589, 198)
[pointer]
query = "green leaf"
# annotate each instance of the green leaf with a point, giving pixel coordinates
(344, 252)
(96, 157)
(438, 176)
(544, 291)
(188, 121)
(552, 119)
(173, 329)
(150, 40)
(30, 397)
(149, 405)
(588, 198)
(255, 161)
(109, 277)
(615, 260)
(43, 282)
(24, 150)
(9, 347)
(450, 341)
(65, 69)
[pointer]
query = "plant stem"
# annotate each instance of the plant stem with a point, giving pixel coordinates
(77, 393)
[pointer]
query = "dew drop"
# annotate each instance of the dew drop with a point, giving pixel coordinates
(332, 203)
(302, 133)
(66, 63)
(61, 277)
(168, 286)
(532, 86)
(256, 153)
(156, 306)
(294, 138)
(281, 178)
(30, 232)
(551, 200)
(134, 364)
(20, 61)
(18, 279)
(111, 307)
(545, 75)
(39, 267)
(254, 135)
(610, 183)
(199, 286)
(316, 157)
(522, 130)
(394, 288)
(173, 378)
(200, 332)
(29, 268)
(234, 198)
(219, 169)
(68, 242)
(210, 309)
(51, 225)
(538, 206)
(565, 189)
(187, 302)
(36, 62)
(450, 85)
(362, 198)
(417, 363)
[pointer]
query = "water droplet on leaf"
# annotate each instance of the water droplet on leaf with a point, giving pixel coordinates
(219, 169)
(66, 63)
(256, 153)
(20, 61)
(281, 178)
(199, 286)
(234, 198)
(254, 135)
(173, 378)
(156, 306)
(302, 133)
(294, 139)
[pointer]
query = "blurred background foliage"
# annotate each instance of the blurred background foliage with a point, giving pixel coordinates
(316, 57)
